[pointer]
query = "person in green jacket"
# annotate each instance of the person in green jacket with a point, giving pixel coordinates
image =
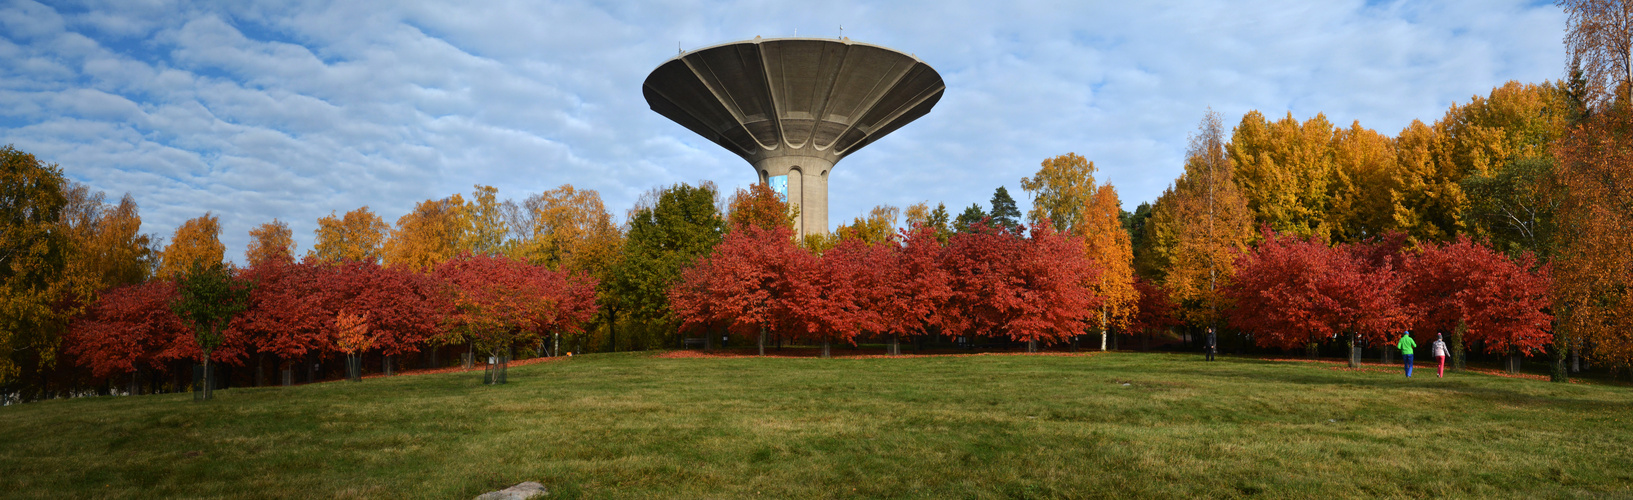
(1406, 344)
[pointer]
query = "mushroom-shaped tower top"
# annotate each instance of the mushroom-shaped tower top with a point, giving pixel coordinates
(794, 106)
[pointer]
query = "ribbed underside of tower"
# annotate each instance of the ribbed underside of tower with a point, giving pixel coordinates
(794, 106)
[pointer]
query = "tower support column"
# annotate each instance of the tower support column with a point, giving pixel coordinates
(807, 181)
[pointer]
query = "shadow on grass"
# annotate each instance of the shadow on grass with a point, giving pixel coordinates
(1482, 387)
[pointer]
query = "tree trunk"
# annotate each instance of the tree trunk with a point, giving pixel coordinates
(207, 374)
(1559, 353)
(825, 353)
(1354, 351)
(388, 365)
(612, 331)
(762, 341)
(1032, 345)
(895, 345)
(1514, 362)
(1576, 360)
(1102, 328)
(1459, 356)
(708, 341)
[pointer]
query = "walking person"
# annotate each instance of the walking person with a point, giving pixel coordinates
(1438, 349)
(1213, 344)
(1406, 344)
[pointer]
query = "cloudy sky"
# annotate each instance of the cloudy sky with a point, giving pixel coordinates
(296, 109)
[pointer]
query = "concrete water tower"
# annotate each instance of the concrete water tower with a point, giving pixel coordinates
(793, 107)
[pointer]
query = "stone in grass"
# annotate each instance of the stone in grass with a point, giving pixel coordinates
(522, 491)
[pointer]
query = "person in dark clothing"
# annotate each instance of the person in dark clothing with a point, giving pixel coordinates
(1213, 344)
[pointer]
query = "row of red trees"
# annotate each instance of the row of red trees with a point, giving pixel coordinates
(1293, 292)
(989, 282)
(299, 310)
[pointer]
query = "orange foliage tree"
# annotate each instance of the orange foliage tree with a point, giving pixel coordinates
(196, 243)
(1593, 263)
(270, 241)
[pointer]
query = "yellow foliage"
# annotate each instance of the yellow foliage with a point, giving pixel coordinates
(878, 226)
(105, 248)
(482, 222)
(1060, 190)
(1200, 225)
(570, 229)
(356, 237)
(1100, 227)
(196, 241)
(270, 241)
(1430, 198)
(1366, 185)
(1284, 170)
(427, 236)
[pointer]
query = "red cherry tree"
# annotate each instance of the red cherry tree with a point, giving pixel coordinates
(1028, 289)
(498, 302)
(1503, 301)
(1293, 292)
(130, 328)
(1154, 311)
(747, 283)
(839, 297)
(919, 286)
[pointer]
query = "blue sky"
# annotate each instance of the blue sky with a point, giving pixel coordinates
(291, 110)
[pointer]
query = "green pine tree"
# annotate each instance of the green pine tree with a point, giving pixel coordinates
(1004, 212)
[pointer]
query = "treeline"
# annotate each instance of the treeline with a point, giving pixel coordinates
(1485, 180)
(1502, 225)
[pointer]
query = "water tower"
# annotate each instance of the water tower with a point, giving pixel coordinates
(793, 107)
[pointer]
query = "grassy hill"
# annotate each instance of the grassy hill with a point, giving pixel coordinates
(635, 425)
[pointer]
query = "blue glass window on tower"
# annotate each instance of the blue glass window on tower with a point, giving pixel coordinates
(779, 184)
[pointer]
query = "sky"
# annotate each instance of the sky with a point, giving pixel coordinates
(293, 110)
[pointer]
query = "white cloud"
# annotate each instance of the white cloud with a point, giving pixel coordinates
(293, 110)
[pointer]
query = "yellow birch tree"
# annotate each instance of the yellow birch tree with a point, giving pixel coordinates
(355, 237)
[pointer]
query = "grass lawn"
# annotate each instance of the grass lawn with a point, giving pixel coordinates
(635, 425)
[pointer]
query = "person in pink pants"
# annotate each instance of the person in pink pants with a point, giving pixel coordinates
(1440, 352)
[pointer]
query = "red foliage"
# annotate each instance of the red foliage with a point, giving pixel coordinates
(293, 309)
(131, 327)
(842, 295)
(920, 287)
(1293, 291)
(1156, 311)
(497, 300)
(1501, 300)
(747, 283)
(1024, 288)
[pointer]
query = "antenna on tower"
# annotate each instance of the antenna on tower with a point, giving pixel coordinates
(677, 47)
(841, 32)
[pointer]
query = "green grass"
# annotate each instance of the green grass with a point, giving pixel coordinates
(631, 425)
